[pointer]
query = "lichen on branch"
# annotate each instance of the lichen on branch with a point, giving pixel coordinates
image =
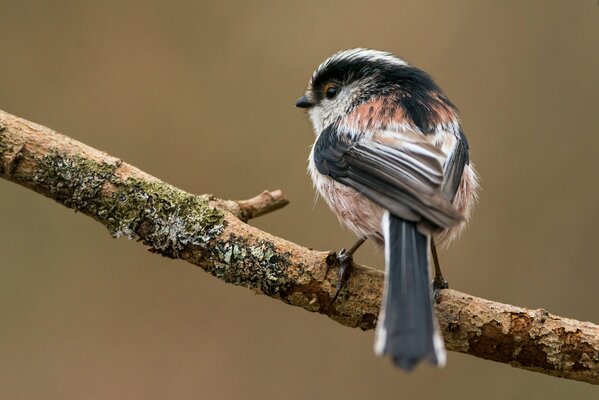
(165, 218)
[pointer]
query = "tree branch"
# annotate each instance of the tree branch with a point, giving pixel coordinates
(257, 206)
(212, 234)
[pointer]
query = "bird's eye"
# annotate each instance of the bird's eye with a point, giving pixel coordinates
(330, 91)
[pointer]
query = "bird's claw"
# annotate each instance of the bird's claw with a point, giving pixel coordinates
(439, 283)
(345, 262)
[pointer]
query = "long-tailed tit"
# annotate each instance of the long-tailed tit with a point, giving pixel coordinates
(392, 161)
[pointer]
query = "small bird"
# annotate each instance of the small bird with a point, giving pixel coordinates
(392, 162)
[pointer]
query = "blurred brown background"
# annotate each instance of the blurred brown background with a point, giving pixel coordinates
(201, 95)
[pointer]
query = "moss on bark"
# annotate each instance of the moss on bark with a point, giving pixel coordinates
(163, 217)
(259, 266)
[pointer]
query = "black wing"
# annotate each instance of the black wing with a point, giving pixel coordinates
(411, 178)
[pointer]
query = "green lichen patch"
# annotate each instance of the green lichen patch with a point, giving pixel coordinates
(255, 265)
(163, 217)
(73, 180)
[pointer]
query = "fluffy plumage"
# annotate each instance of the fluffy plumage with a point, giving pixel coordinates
(389, 143)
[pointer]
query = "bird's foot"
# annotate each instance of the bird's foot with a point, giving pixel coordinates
(345, 262)
(439, 283)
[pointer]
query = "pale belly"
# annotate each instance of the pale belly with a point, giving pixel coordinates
(356, 212)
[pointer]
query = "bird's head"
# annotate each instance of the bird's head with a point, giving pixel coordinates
(346, 79)
(353, 77)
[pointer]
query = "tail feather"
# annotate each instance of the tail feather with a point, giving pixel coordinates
(407, 328)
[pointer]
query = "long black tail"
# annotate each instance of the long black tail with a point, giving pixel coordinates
(407, 328)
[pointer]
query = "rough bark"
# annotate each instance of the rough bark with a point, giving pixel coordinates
(212, 234)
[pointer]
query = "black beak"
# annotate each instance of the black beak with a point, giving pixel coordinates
(304, 102)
